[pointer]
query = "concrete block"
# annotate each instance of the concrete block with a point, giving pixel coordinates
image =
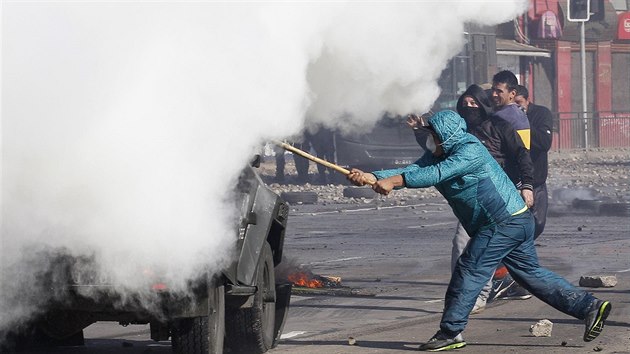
(598, 281)
(541, 328)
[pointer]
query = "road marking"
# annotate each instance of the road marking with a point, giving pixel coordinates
(372, 208)
(433, 301)
(334, 260)
(291, 334)
(623, 270)
(429, 225)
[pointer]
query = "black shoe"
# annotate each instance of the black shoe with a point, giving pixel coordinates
(499, 286)
(595, 319)
(513, 292)
(441, 342)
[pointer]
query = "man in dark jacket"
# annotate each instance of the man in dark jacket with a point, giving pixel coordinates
(493, 212)
(503, 93)
(505, 146)
(541, 125)
(498, 136)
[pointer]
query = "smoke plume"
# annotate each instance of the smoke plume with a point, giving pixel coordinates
(125, 124)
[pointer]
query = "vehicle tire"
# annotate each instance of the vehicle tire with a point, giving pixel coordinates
(359, 192)
(204, 334)
(251, 330)
(299, 197)
(34, 337)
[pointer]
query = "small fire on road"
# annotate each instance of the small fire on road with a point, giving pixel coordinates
(309, 280)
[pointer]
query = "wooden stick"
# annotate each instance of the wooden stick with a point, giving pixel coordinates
(316, 159)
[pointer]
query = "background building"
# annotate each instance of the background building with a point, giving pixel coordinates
(553, 75)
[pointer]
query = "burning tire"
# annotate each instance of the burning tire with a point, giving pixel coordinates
(202, 335)
(252, 330)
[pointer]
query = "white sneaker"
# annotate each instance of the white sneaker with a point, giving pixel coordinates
(480, 305)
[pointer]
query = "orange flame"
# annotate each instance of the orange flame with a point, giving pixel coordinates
(306, 280)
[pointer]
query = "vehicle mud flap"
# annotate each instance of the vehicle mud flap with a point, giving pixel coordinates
(283, 299)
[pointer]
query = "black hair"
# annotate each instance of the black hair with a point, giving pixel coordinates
(506, 77)
(522, 91)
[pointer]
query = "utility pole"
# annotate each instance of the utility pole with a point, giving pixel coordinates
(583, 70)
(580, 11)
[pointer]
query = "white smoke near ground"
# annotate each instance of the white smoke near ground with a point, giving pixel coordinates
(125, 124)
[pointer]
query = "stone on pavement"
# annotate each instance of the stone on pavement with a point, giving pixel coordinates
(598, 281)
(541, 328)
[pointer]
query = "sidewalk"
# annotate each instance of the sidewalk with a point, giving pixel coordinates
(502, 328)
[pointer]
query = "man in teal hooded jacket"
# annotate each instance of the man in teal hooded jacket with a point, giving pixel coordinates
(501, 227)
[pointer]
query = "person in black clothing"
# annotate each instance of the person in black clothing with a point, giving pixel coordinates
(507, 148)
(541, 125)
(498, 136)
(322, 141)
(301, 164)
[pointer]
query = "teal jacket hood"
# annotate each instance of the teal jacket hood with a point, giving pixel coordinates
(450, 127)
(473, 183)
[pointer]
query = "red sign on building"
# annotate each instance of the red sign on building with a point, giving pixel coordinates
(623, 29)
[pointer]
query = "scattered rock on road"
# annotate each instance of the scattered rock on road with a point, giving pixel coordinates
(598, 281)
(541, 328)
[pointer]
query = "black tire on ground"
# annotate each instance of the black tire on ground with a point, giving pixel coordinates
(586, 204)
(205, 334)
(615, 209)
(252, 330)
(299, 197)
(359, 192)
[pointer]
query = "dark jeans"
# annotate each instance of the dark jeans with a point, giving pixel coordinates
(510, 242)
(539, 209)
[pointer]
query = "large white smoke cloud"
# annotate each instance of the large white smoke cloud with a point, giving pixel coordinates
(124, 124)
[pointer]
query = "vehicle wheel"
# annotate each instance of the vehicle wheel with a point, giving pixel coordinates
(359, 192)
(299, 197)
(252, 330)
(205, 334)
(35, 337)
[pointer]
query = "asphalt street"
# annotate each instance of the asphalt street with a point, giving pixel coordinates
(394, 266)
(397, 259)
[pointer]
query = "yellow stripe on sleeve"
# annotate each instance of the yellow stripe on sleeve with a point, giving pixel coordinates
(525, 135)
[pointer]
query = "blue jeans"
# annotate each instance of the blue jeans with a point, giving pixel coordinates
(510, 242)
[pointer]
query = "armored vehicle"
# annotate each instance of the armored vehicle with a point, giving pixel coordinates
(240, 309)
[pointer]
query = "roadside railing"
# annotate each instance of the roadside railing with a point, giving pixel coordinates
(579, 130)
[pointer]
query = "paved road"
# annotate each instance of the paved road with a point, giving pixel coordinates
(396, 261)
(401, 254)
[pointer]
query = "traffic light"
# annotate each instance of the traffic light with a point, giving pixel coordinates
(579, 10)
